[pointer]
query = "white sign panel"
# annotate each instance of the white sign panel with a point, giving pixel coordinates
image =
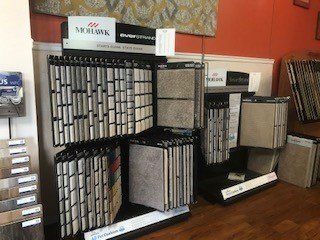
(234, 106)
(165, 42)
(103, 46)
(216, 77)
(248, 185)
(99, 29)
(254, 81)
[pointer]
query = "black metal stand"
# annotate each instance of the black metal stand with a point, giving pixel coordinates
(214, 178)
(128, 210)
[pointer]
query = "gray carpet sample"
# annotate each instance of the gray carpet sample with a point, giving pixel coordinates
(146, 176)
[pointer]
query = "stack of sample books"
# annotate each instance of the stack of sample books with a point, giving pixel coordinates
(161, 172)
(97, 98)
(303, 77)
(180, 95)
(215, 144)
(20, 213)
(89, 187)
(299, 161)
(264, 122)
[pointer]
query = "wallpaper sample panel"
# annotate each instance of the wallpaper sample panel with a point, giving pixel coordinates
(188, 16)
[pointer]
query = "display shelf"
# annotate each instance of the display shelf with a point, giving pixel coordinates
(132, 221)
(224, 191)
(136, 223)
(213, 179)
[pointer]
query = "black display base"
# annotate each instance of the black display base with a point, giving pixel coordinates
(210, 189)
(128, 211)
(150, 228)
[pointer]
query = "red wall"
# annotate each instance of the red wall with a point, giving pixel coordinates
(260, 28)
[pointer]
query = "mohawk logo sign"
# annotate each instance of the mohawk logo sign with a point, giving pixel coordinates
(216, 77)
(98, 29)
(92, 28)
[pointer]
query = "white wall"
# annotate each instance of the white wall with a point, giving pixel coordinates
(246, 64)
(46, 149)
(16, 55)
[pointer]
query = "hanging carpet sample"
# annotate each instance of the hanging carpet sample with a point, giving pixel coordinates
(189, 16)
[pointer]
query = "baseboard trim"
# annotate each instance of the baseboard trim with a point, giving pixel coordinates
(44, 46)
(225, 58)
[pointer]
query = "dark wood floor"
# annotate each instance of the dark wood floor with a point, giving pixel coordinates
(282, 212)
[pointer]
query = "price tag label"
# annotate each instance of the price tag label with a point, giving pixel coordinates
(28, 189)
(26, 200)
(31, 222)
(20, 160)
(31, 211)
(27, 179)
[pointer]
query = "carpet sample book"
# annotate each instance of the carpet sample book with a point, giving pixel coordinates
(299, 161)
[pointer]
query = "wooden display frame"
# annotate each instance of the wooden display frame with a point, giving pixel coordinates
(284, 89)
